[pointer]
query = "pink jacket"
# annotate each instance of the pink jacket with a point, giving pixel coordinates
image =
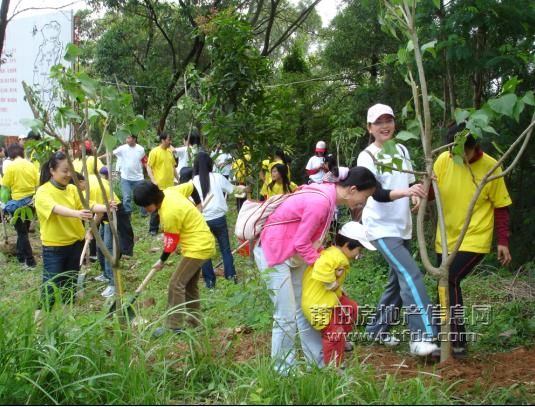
(311, 214)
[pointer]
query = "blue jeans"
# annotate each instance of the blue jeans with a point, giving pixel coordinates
(220, 231)
(60, 269)
(127, 189)
(105, 265)
(285, 285)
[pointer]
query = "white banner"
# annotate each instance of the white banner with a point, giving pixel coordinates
(32, 46)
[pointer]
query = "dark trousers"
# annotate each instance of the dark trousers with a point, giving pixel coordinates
(239, 203)
(24, 249)
(125, 231)
(154, 223)
(219, 229)
(60, 270)
(463, 264)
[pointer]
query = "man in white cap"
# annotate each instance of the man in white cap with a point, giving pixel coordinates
(316, 166)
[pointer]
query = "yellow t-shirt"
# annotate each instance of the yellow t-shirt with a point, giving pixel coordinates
(456, 188)
(162, 164)
(276, 190)
(22, 178)
(95, 193)
(272, 164)
(179, 215)
(90, 161)
(240, 171)
(58, 230)
(316, 301)
(185, 189)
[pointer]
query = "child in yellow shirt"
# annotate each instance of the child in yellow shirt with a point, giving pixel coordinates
(279, 182)
(324, 303)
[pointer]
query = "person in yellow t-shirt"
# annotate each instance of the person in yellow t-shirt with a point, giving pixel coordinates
(280, 183)
(181, 221)
(240, 173)
(90, 160)
(60, 212)
(323, 301)
(22, 179)
(162, 172)
(457, 184)
(96, 195)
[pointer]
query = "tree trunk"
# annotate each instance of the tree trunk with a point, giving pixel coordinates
(445, 315)
(3, 24)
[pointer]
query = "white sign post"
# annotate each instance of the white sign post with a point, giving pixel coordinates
(32, 46)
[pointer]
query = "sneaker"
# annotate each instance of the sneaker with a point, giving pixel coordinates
(108, 292)
(159, 332)
(93, 259)
(101, 279)
(153, 233)
(422, 348)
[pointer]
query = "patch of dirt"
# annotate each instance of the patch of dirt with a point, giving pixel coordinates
(488, 371)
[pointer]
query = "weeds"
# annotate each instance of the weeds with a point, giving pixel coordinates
(78, 356)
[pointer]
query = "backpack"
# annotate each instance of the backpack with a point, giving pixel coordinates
(254, 214)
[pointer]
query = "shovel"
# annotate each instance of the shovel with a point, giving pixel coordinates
(80, 283)
(128, 307)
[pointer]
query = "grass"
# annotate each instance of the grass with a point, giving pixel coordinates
(78, 356)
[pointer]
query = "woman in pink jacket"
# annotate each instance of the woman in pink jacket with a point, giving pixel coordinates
(290, 242)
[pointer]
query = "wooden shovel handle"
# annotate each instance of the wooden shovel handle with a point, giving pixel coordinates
(84, 251)
(149, 276)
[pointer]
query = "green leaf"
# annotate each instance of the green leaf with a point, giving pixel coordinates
(34, 124)
(504, 104)
(72, 52)
(137, 125)
(402, 56)
(490, 129)
(518, 109)
(5, 194)
(410, 46)
(88, 85)
(434, 99)
(511, 85)
(457, 159)
(406, 135)
(430, 47)
(461, 115)
(528, 98)
(110, 141)
(436, 3)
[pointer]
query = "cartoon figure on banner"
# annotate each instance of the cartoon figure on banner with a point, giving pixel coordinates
(49, 54)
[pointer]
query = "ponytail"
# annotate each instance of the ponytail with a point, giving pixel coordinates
(359, 177)
(202, 166)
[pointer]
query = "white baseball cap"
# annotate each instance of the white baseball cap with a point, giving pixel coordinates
(377, 111)
(357, 231)
(321, 146)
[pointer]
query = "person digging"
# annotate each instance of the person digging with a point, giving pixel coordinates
(182, 222)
